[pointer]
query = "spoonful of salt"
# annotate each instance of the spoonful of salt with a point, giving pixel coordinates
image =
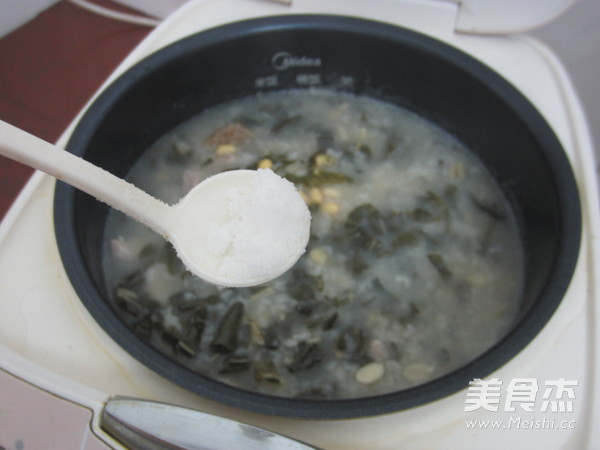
(235, 229)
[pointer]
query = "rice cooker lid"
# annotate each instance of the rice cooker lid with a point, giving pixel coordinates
(506, 16)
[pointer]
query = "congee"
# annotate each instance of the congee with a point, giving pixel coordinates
(413, 269)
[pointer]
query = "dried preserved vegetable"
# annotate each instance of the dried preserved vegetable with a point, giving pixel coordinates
(414, 265)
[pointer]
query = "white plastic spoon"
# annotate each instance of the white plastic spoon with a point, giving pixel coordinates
(235, 229)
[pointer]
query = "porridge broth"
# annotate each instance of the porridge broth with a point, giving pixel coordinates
(414, 266)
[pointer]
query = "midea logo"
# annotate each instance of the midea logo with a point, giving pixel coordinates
(284, 60)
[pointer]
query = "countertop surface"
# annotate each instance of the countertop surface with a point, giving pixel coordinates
(73, 51)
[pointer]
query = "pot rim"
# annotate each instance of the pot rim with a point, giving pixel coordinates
(520, 335)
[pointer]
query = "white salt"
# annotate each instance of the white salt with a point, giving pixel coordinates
(266, 226)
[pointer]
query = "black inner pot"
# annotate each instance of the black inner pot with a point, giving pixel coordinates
(428, 77)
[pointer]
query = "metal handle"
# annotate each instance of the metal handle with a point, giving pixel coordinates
(143, 424)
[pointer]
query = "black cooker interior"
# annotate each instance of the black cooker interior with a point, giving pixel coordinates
(440, 83)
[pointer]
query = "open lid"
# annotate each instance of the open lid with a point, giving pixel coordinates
(474, 16)
(507, 16)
